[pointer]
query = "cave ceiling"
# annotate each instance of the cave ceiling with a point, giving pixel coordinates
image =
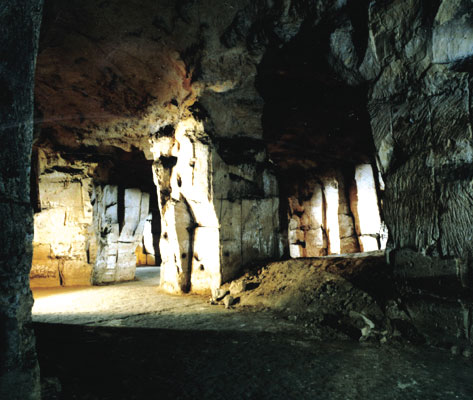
(112, 73)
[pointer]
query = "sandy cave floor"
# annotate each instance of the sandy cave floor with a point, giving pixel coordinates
(140, 304)
(96, 343)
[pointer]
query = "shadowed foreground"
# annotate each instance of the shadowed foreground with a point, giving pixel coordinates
(133, 363)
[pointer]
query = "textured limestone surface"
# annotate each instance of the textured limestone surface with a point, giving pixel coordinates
(116, 258)
(86, 232)
(332, 212)
(420, 109)
(19, 30)
(62, 233)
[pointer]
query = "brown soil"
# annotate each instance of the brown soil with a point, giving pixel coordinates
(335, 297)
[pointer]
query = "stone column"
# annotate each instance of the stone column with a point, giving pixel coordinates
(348, 239)
(331, 214)
(220, 214)
(306, 230)
(116, 259)
(364, 205)
(108, 231)
(19, 31)
(189, 242)
(131, 235)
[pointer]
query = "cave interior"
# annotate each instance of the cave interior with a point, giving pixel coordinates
(310, 159)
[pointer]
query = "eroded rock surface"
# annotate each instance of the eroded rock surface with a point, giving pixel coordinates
(116, 253)
(88, 231)
(334, 212)
(63, 221)
(420, 113)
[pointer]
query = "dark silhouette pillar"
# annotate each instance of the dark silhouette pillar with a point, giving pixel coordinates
(19, 32)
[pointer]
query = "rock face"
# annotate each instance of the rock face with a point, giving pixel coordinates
(420, 113)
(19, 30)
(147, 250)
(332, 212)
(364, 203)
(62, 232)
(86, 231)
(211, 224)
(116, 249)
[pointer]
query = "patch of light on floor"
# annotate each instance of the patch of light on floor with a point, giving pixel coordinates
(119, 298)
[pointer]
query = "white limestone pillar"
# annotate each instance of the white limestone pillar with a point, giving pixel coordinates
(364, 205)
(331, 214)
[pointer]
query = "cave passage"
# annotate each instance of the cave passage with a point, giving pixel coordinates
(127, 218)
(317, 131)
(96, 219)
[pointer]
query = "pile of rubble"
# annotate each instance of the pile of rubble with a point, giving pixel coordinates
(332, 297)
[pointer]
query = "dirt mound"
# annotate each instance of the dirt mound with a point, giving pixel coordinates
(331, 296)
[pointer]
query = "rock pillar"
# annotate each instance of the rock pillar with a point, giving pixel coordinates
(19, 31)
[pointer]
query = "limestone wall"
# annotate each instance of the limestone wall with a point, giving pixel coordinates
(79, 237)
(333, 213)
(146, 251)
(216, 216)
(420, 106)
(246, 197)
(116, 245)
(63, 234)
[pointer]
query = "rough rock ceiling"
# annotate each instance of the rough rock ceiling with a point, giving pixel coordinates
(312, 116)
(110, 73)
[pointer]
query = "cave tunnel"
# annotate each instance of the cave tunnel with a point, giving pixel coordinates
(133, 170)
(258, 151)
(96, 216)
(317, 131)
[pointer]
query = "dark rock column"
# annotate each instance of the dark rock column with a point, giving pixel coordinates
(19, 31)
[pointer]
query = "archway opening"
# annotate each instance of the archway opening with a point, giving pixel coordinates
(126, 218)
(317, 131)
(96, 216)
